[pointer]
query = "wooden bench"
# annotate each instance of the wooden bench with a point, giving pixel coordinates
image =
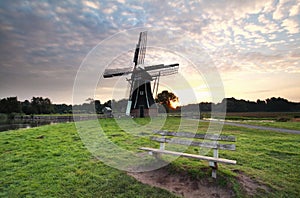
(188, 139)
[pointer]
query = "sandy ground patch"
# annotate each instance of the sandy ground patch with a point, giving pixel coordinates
(184, 185)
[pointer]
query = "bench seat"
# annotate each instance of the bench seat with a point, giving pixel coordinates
(200, 157)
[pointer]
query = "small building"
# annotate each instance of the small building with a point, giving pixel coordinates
(107, 112)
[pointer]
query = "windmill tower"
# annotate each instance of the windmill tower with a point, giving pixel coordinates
(141, 102)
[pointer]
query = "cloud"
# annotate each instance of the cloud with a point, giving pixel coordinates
(91, 4)
(295, 10)
(50, 39)
(279, 13)
(291, 25)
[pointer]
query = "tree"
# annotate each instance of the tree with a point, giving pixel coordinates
(98, 106)
(278, 104)
(165, 98)
(62, 108)
(10, 105)
(26, 107)
(234, 105)
(41, 106)
(119, 106)
(261, 105)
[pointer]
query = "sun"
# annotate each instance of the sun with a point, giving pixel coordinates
(174, 103)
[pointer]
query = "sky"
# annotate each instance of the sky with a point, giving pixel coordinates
(250, 49)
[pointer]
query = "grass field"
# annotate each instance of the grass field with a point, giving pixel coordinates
(283, 125)
(268, 119)
(51, 161)
(263, 118)
(254, 115)
(261, 115)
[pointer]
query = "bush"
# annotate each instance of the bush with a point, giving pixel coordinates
(283, 119)
(3, 117)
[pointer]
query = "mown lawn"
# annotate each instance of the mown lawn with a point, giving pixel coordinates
(270, 157)
(284, 125)
(52, 161)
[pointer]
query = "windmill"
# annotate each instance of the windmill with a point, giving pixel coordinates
(141, 102)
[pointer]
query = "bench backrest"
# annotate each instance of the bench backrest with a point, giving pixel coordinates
(211, 140)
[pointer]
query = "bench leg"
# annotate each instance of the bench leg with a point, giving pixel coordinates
(214, 170)
(161, 147)
(214, 173)
(157, 156)
(214, 165)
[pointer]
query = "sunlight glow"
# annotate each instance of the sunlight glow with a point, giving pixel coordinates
(174, 103)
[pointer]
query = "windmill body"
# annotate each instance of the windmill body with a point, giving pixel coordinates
(141, 101)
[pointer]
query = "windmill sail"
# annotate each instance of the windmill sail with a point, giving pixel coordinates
(109, 73)
(162, 70)
(140, 50)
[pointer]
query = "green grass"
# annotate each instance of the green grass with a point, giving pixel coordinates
(65, 114)
(263, 115)
(248, 118)
(254, 115)
(52, 161)
(284, 125)
(270, 157)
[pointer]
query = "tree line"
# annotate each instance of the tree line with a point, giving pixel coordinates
(269, 105)
(40, 105)
(233, 105)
